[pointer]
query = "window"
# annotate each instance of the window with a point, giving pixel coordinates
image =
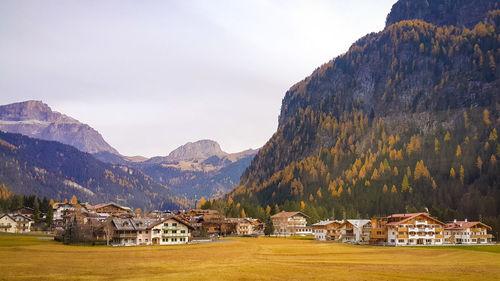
(146, 232)
(174, 239)
(401, 241)
(174, 231)
(165, 224)
(174, 224)
(140, 240)
(183, 231)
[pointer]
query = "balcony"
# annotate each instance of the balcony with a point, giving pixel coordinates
(402, 236)
(176, 234)
(439, 236)
(5, 226)
(481, 236)
(402, 229)
(172, 227)
(477, 229)
(127, 235)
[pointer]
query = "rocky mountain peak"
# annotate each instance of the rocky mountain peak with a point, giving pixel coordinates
(202, 149)
(37, 120)
(32, 110)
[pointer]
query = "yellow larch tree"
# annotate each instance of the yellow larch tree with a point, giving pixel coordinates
(462, 173)
(486, 117)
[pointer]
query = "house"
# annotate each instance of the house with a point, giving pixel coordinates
(327, 230)
(111, 208)
(407, 229)
(125, 232)
(246, 226)
(168, 231)
(467, 232)
(291, 223)
(171, 231)
(8, 224)
(26, 211)
(23, 223)
(355, 231)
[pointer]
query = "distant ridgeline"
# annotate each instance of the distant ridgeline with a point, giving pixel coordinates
(406, 120)
(58, 171)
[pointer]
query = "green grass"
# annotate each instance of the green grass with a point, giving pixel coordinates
(24, 257)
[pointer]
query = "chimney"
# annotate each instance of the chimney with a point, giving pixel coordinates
(465, 220)
(455, 221)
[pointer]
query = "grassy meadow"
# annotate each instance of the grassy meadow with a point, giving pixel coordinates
(31, 257)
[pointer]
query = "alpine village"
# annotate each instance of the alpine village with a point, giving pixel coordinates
(393, 144)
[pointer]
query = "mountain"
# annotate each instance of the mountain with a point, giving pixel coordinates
(406, 120)
(37, 120)
(59, 171)
(460, 13)
(198, 169)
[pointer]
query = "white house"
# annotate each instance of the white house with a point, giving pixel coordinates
(414, 229)
(355, 231)
(8, 224)
(291, 223)
(467, 232)
(23, 223)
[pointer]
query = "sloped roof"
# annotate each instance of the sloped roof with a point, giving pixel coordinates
(358, 223)
(284, 214)
(20, 215)
(7, 215)
(327, 222)
(112, 204)
(173, 218)
(461, 225)
(407, 217)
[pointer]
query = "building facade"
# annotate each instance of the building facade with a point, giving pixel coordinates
(355, 231)
(8, 224)
(467, 232)
(327, 230)
(290, 224)
(411, 229)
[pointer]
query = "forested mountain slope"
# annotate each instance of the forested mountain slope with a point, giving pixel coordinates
(58, 171)
(407, 119)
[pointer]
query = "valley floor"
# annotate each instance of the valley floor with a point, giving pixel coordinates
(31, 257)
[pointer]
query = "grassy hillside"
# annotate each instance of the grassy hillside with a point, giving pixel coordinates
(31, 257)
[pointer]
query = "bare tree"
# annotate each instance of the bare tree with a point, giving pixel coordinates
(109, 230)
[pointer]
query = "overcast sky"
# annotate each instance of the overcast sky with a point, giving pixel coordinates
(153, 75)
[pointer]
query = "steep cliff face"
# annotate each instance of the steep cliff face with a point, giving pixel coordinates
(402, 121)
(461, 13)
(36, 119)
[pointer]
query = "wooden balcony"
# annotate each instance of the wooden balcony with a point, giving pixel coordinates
(402, 229)
(439, 236)
(481, 236)
(477, 229)
(438, 229)
(402, 236)
(127, 235)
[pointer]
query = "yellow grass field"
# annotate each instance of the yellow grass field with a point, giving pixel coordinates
(38, 258)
